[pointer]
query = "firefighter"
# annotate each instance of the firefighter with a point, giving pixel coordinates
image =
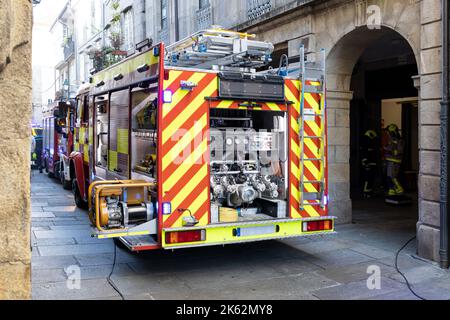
(369, 161)
(393, 159)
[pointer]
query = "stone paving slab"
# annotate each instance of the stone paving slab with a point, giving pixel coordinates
(90, 289)
(372, 251)
(40, 276)
(421, 274)
(309, 268)
(74, 227)
(347, 274)
(42, 214)
(53, 262)
(61, 234)
(102, 272)
(104, 259)
(53, 242)
(339, 257)
(357, 290)
(74, 249)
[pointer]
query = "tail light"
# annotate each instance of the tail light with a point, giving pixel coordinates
(185, 236)
(320, 225)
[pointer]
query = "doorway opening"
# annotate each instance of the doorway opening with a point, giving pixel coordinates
(384, 97)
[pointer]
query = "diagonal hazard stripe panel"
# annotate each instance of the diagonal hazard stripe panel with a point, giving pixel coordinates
(195, 158)
(196, 103)
(173, 76)
(186, 139)
(182, 94)
(189, 187)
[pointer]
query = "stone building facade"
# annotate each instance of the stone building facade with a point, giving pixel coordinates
(345, 29)
(15, 108)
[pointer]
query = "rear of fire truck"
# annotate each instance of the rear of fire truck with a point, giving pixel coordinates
(220, 153)
(56, 137)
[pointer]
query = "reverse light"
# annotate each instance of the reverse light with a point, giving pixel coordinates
(185, 236)
(320, 225)
(167, 96)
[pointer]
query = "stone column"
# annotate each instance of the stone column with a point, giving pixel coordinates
(338, 104)
(429, 129)
(15, 118)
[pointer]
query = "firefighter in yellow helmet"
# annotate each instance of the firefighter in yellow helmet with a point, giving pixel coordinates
(369, 161)
(394, 158)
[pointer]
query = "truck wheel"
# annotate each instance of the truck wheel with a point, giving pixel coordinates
(57, 171)
(67, 185)
(79, 201)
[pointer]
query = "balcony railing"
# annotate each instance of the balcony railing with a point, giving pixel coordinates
(257, 8)
(164, 36)
(69, 48)
(204, 17)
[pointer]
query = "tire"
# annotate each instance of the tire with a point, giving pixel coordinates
(67, 185)
(57, 171)
(79, 201)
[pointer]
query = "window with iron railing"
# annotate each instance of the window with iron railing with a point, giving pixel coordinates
(164, 14)
(204, 15)
(257, 8)
(128, 30)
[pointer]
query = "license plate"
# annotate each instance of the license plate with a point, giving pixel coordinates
(255, 231)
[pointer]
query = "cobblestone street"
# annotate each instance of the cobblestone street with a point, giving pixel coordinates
(320, 268)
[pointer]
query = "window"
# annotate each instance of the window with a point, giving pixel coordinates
(102, 131)
(85, 116)
(128, 31)
(164, 14)
(144, 120)
(203, 3)
(118, 155)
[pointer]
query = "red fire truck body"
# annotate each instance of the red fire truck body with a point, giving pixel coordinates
(176, 157)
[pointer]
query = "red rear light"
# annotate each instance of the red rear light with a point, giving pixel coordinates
(321, 225)
(185, 236)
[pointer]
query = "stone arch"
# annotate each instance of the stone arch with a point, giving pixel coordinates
(344, 54)
(342, 57)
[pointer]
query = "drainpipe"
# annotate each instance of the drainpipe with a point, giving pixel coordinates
(444, 245)
(143, 20)
(177, 24)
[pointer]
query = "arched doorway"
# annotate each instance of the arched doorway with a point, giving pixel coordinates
(377, 67)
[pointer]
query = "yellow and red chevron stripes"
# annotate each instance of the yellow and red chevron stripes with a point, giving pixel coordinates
(313, 169)
(184, 148)
(263, 106)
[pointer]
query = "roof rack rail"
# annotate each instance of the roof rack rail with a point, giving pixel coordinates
(219, 49)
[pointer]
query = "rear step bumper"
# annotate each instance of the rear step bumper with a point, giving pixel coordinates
(242, 232)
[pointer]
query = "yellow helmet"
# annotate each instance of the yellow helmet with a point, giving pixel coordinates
(393, 129)
(371, 134)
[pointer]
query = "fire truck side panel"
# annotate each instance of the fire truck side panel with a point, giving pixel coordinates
(80, 155)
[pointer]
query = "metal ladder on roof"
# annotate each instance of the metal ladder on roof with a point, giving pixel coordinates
(219, 48)
(312, 125)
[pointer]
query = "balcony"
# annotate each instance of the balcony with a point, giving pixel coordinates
(204, 17)
(257, 8)
(69, 48)
(164, 36)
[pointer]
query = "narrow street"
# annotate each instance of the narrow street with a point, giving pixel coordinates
(310, 268)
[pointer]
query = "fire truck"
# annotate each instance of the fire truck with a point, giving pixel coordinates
(189, 145)
(58, 140)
